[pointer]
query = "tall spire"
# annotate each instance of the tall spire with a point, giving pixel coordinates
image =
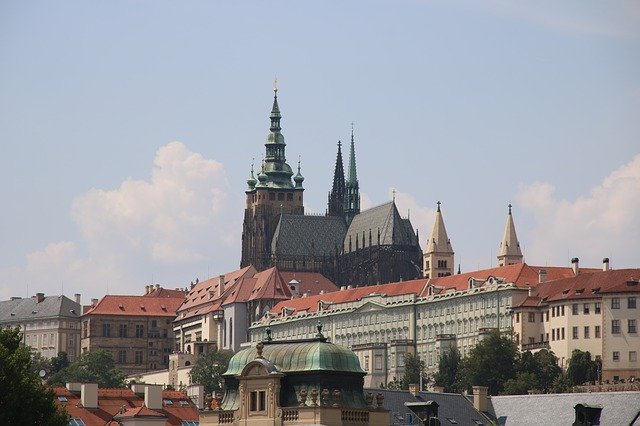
(275, 109)
(438, 253)
(335, 205)
(509, 252)
(352, 196)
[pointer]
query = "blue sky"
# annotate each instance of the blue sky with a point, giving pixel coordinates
(128, 128)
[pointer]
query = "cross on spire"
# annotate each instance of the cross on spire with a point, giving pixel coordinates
(438, 203)
(510, 208)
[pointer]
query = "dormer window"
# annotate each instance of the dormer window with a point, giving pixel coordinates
(258, 401)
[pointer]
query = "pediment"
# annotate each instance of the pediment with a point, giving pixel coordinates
(370, 307)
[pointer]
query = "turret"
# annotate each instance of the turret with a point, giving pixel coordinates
(509, 252)
(438, 258)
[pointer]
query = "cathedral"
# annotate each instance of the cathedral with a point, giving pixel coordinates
(348, 246)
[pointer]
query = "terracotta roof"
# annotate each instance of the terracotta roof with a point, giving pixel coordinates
(136, 306)
(206, 291)
(588, 286)
(111, 402)
(310, 282)
(530, 302)
(241, 291)
(310, 304)
(270, 285)
(138, 412)
(163, 292)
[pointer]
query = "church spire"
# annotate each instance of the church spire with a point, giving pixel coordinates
(352, 196)
(509, 252)
(438, 254)
(335, 205)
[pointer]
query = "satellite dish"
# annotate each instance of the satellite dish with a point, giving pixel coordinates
(42, 373)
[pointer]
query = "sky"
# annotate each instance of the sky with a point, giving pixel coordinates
(128, 128)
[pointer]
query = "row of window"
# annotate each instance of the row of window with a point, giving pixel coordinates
(631, 303)
(633, 356)
(586, 333)
(632, 326)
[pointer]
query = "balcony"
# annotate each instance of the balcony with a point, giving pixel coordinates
(535, 345)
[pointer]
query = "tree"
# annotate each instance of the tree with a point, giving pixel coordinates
(491, 363)
(92, 367)
(582, 368)
(547, 370)
(209, 369)
(23, 398)
(448, 375)
(413, 370)
(534, 372)
(59, 362)
(39, 363)
(521, 384)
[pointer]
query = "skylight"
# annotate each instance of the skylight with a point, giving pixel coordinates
(62, 398)
(167, 402)
(76, 422)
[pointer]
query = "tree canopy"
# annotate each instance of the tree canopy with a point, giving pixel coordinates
(448, 375)
(582, 368)
(23, 398)
(209, 369)
(96, 366)
(413, 368)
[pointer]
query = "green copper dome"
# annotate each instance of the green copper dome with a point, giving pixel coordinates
(299, 356)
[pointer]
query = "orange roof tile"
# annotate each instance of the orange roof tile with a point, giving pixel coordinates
(270, 285)
(310, 282)
(136, 306)
(588, 286)
(141, 411)
(112, 401)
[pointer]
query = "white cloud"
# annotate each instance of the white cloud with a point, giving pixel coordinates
(421, 217)
(180, 219)
(603, 223)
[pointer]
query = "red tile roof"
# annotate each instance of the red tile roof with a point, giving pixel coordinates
(310, 304)
(588, 286)
(111, 402)
(310, 282)
(270, 285)
(138, 412)
(163, 292)
(136, 306)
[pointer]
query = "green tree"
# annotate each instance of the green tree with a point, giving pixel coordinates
(547, 369)
(582, 368)
(59, 362)
(413, 369)
(209, 369)
(23, 398)
(491, 363)
(38, 363)
(534, 372)
(92, 367)
(448, 375)
(521, 384)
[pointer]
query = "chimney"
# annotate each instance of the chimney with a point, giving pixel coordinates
(153, 397)
(542, 276)
(480, 398)
(39, 297)
(413, 389)
(196, 394)
(220, 285)
(157, 286)
(89, 395)
(574, 265)
(77, 295)
(605, 264)
(94, 302)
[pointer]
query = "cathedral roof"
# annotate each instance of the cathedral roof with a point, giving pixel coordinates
(383, 219)
(439, 240)
(305, 235)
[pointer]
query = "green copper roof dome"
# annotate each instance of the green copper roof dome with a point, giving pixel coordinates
(299, 356)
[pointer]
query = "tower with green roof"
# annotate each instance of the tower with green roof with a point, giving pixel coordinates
(273, 193)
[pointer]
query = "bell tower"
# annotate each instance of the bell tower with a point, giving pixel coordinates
(269, 196)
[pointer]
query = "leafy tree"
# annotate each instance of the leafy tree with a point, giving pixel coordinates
(59, 362)
(582, 368)
(491, 363)
(413, 369)
(521, 384)
(23, 398)
(92, 367)
(38, 363)
(448, 375)
(547, 369)
(209, 369)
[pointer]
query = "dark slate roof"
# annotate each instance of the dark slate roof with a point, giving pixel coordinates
(384, 218)
(302, 235)
(30, 309)
(618, 408)
(450, 406)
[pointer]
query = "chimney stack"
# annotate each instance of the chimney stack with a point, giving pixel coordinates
(413, 389)
(196, 393)
(77, 295)
(220, 285)
(480, 398)
(605, 264)
(153, 397)
(94, 302)
(39, 297)
(157, 286)
(542, 276)
(575, 266)
(89, 395)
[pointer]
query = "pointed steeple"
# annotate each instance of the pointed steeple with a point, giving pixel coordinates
(438, 253)
(335, 205)
(509, 252)
(298, 178)
(276, 169)
(352, 196)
